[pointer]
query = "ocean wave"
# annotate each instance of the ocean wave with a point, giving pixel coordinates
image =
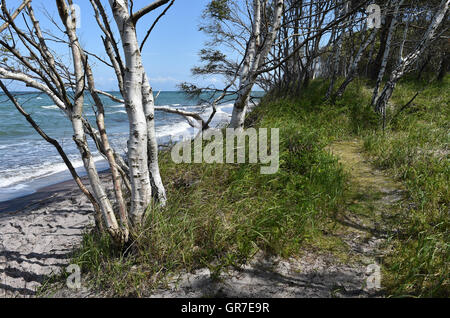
(108, 113)
(117, 106)
(169, 128)
(13, 178)
(117, 112)
(14, 145)
(50, 107)
(180, 129)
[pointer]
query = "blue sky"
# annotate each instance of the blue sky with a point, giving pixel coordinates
(169, 54)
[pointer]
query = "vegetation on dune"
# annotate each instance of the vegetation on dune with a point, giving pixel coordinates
(221, 215)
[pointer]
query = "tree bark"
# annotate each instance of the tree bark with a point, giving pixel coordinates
(337, 53)
(444, 67)
(376, 65)
(158, 190)
(78, 127)
(386, 52)
(354, 66)
(141, 190)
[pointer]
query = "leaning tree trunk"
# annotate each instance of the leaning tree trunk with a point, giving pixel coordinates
(337, 53)
(104, 140)
(386, 53)
(62, 154)
(354, 65)
(401, 69)
(243, 94)
(256, 56)
(376, 65)
(76, 114)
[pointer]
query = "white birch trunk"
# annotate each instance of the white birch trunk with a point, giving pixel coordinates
(159, 192)
(337, 53)
(141, 190)
(78, 128)
(353, 67)
(386, 53)
(402, 45)
(256, 57)
(241, 103)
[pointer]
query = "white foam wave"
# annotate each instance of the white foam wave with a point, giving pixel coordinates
(117, 112)
(118, 106)
(14, 178)
(180, 129)
(13, 145)
(50, 107)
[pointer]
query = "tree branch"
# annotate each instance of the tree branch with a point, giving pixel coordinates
(14, 15)
(155, 5)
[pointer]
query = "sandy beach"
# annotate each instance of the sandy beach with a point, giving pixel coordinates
(38, 233)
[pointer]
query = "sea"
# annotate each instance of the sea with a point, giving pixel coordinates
(28, 162)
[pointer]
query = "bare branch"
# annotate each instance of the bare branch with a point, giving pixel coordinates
(14, 15)
(153, 6)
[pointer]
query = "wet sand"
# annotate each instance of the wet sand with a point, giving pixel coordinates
(42, 195)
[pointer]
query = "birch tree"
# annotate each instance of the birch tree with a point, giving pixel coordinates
(353, 67)
(337, 50)
(258, 49)
(387, 49)
(36, 65)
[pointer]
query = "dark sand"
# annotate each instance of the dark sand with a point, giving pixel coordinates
(42, 195)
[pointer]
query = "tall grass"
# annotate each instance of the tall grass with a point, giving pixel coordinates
(415, 150)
